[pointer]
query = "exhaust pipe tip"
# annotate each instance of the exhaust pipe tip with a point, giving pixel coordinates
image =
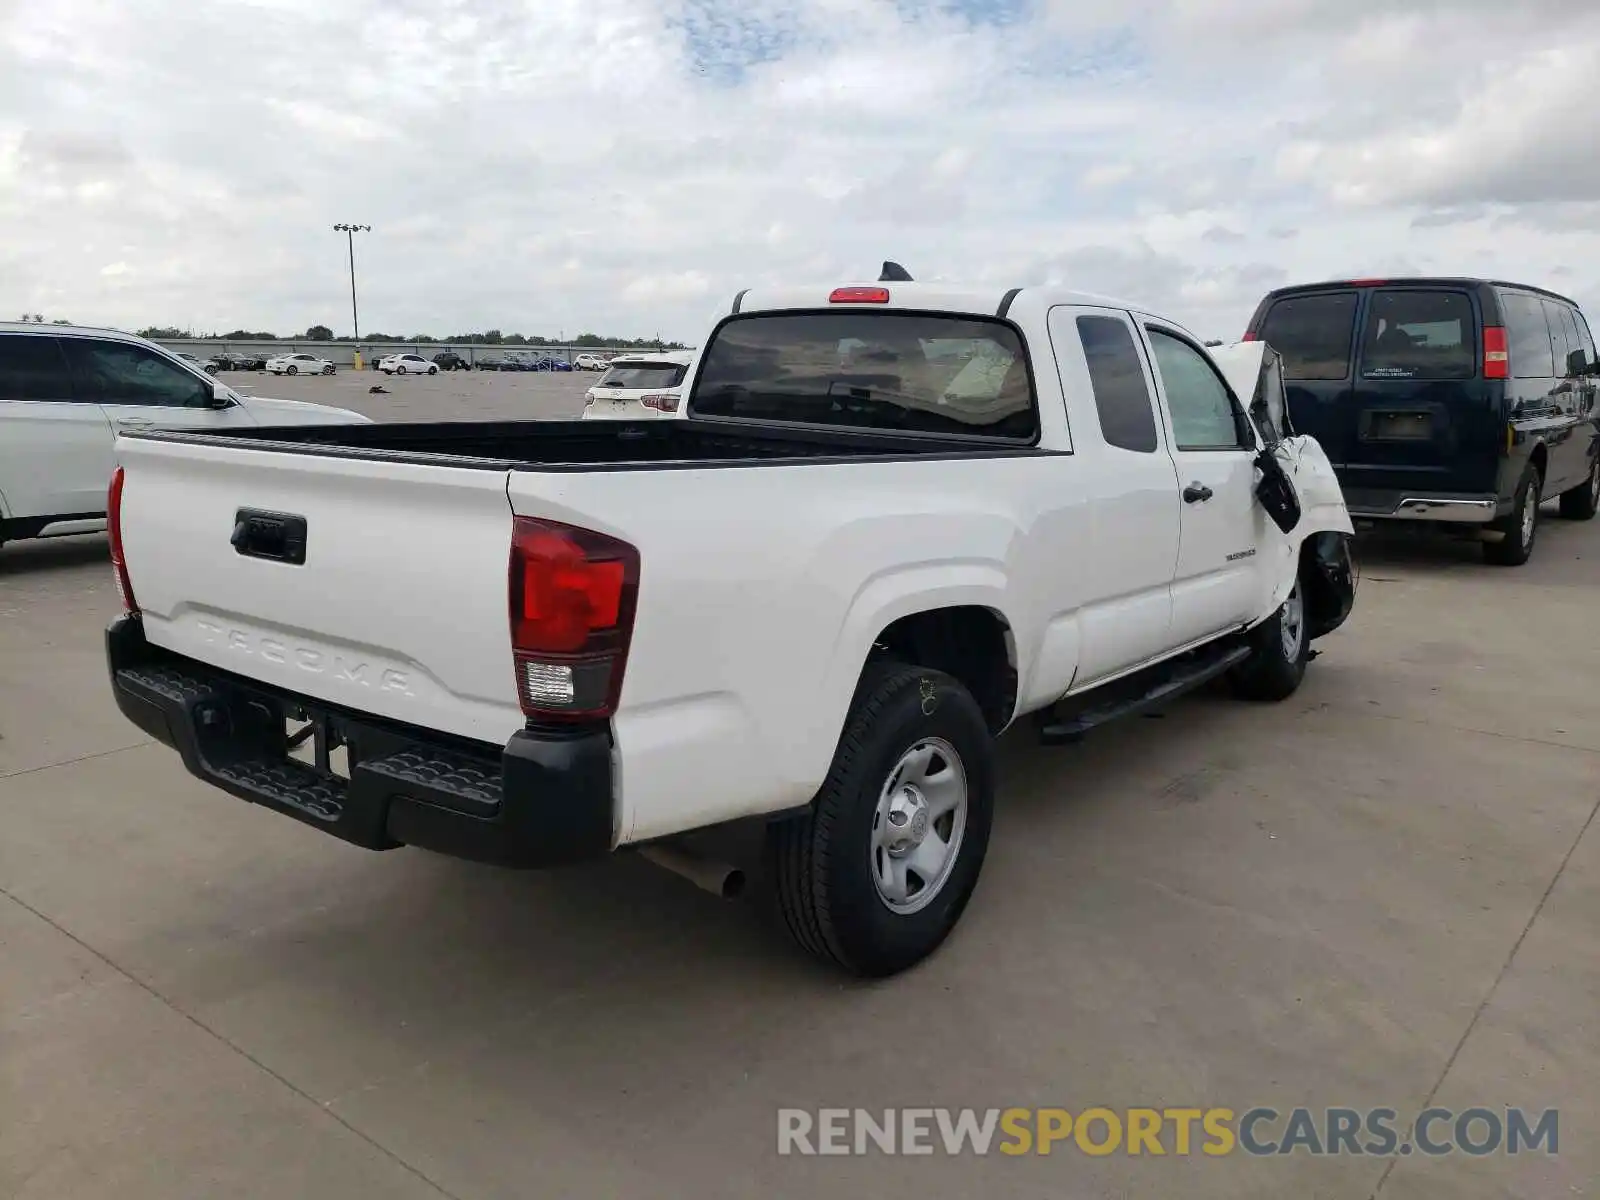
(720, 879)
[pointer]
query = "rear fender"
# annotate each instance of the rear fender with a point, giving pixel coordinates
(883, 600)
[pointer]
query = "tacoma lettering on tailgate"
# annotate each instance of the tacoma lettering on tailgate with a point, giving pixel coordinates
(316, 662)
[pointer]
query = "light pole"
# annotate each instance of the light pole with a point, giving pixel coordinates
(350, 232)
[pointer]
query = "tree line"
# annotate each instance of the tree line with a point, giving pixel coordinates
(488, 337)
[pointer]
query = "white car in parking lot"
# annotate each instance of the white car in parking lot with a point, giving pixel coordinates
(66, 392)
(407, 364)
(590, 362)
(299, 364)
(638, 385)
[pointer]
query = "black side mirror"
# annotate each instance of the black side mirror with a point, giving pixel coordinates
(1578, 364)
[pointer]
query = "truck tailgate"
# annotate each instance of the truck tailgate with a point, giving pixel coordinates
(399, 608)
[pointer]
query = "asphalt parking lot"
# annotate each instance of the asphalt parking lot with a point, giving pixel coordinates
(1382, 893)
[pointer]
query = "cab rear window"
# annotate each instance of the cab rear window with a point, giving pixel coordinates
(903, 371)
(1312, 334)
(1417, 334)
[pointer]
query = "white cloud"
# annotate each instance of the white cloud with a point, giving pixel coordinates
(621, 165)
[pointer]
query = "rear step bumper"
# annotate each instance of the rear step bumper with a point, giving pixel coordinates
(544, 799)
(1460, 507)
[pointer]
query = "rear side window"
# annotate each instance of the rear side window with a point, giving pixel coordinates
(1528, 336)
(1121, 396)
(1312, 334)
(643, 375)
(1419, 335)
(32, 368)
(902, 371)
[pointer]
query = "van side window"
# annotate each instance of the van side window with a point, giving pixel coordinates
(1570, 328)
(1420, 335)
(31, 368)
(1204, 415)
(1312, 334)
(1558, 337)
(1116, 374)
(1528, 335)
(1584, 338)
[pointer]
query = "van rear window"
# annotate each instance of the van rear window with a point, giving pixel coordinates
(1312, 334)
(904, 371)
(1419, 335)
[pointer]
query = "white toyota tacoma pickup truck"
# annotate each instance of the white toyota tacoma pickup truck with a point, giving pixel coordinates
(898, 518)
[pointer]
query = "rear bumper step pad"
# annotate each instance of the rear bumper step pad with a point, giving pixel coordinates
(543, 799)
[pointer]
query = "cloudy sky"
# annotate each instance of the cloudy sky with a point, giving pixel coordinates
(551, 166)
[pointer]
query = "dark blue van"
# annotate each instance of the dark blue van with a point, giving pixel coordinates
(1466, 401)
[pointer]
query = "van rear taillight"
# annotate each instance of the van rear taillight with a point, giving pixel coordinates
(572, 598)
(119, 564)
(1496, 359)
(1250, 337)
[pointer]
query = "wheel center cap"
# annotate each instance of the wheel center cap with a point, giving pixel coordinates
(908, 821)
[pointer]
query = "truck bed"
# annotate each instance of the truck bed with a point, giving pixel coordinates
(590, 445)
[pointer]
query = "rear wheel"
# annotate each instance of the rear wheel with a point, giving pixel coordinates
(1279, 651)
(400, 370)
(294, 371)
(1520, 527)
(1582, 502)
(875, 876)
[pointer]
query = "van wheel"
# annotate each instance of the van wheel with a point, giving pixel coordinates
(1582, 502)
(1520, 526)
(1280, 648)
(875, 876)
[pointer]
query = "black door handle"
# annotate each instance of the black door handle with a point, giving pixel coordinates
(1196, 493)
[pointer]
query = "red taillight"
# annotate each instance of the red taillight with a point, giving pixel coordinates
(859, 295)
(572, 598)
(1250, 337)
(661, 401)
(119, 565)
(1365, 282)
(1496, 359)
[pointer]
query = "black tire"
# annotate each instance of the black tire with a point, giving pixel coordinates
(1520, 532)
(400, 370)
(1280, 648)
(292, 371)
(433, 370)
(328, 370)
(1582, 502)
(822, 864)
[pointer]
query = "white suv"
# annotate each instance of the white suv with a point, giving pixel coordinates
(65, 392)
(638, 385)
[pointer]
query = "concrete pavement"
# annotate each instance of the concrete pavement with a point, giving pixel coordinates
(1382, 892)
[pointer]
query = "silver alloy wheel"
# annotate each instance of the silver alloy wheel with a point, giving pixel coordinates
(1530, 511)
(1292, 625)
(919, 826)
